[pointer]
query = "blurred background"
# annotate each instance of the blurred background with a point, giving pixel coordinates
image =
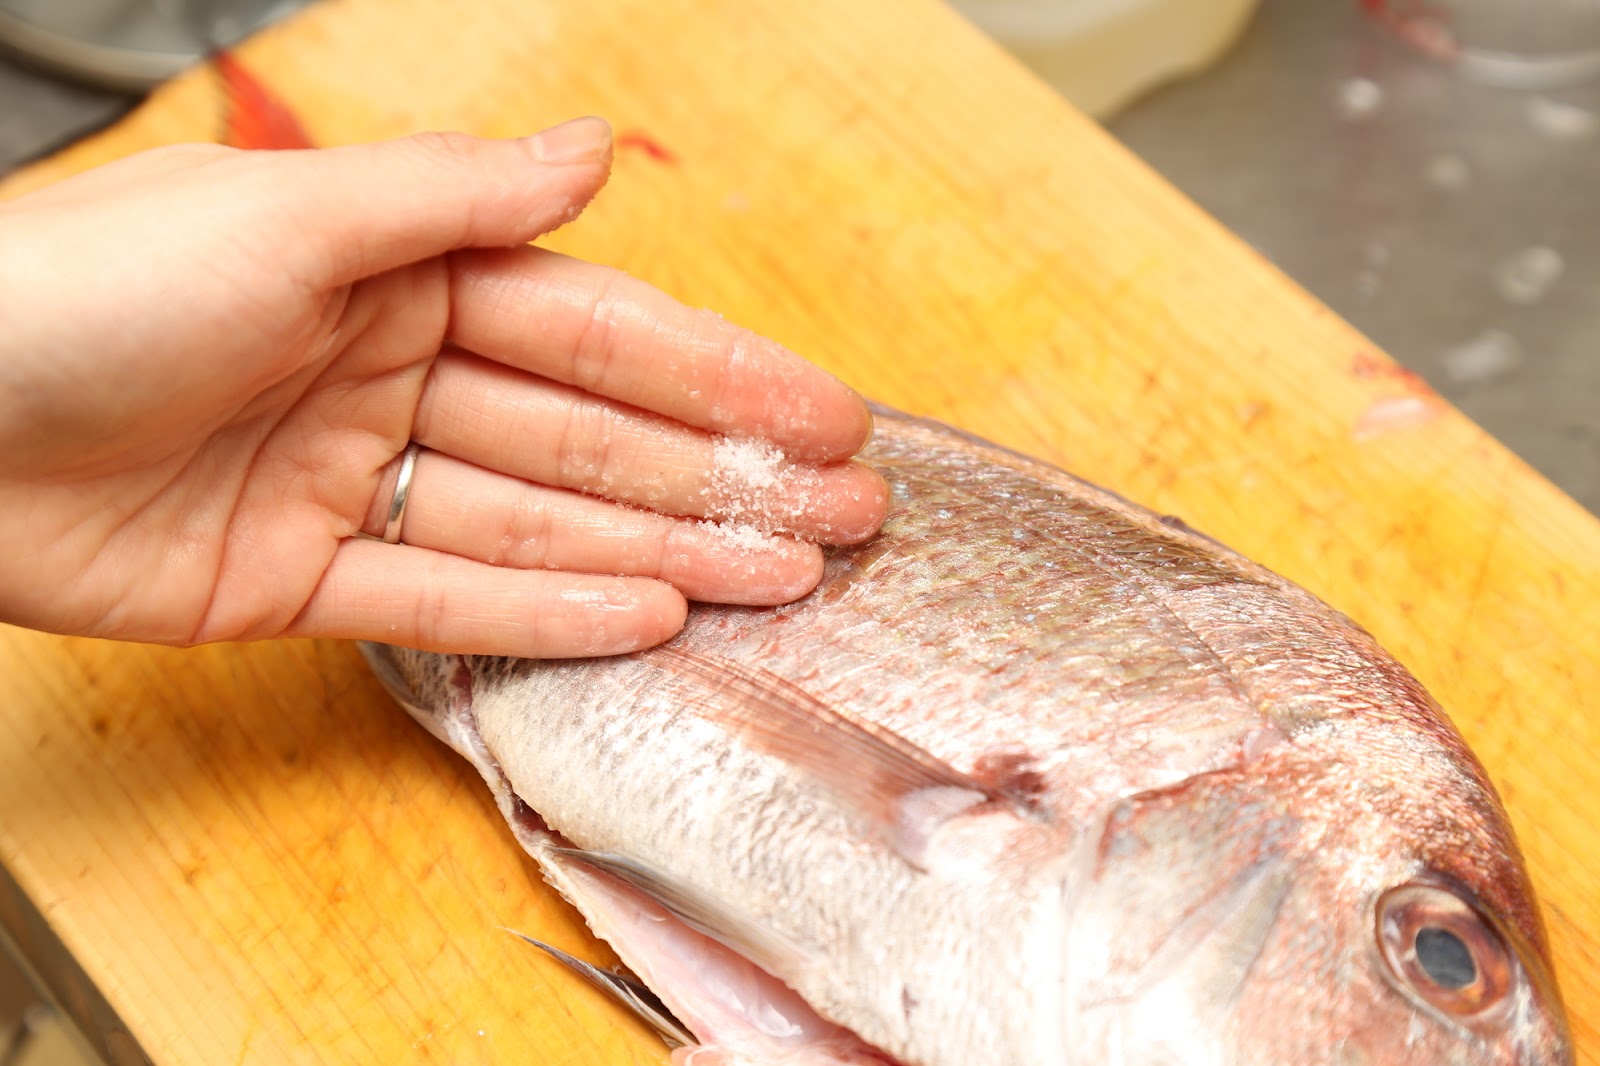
(1430, 171)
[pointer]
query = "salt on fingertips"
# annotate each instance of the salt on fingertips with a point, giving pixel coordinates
(737, 538)
(753, 464)
(753, 484)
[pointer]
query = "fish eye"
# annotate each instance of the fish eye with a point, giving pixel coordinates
(1440, 950)
(1445, 958)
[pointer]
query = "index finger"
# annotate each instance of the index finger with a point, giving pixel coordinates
(610, 334)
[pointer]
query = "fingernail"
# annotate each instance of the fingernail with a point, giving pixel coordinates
(872, 424)
(873, 497)
(583, 140)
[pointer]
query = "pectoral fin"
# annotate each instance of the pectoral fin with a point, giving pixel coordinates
(906, 792)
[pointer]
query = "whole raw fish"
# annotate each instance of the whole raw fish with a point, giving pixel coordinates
(1035, 777)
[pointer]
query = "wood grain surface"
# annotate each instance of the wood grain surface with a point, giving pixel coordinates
(255, 858)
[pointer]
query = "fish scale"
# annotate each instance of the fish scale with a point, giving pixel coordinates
(1035, 776)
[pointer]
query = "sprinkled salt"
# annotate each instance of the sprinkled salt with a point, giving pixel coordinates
(802, 413)
(740, 466)
(753, 484)
(736, 537)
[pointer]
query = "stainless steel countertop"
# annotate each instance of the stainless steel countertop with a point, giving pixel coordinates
(39, 113)
(1458, 225)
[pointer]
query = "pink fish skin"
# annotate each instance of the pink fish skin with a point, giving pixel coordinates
(1034, 777)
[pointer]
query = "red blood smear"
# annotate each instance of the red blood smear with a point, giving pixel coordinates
(648, 145)
(256, 118)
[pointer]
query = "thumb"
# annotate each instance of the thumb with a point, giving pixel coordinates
(363, 209)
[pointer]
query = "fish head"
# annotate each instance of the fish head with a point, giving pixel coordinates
(1442, 939)
(1353, 899)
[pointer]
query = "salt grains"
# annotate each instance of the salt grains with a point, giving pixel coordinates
(737, 538)
(752, 484)
(758, 492)
(745, 464)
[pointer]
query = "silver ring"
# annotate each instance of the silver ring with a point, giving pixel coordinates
(402, 493)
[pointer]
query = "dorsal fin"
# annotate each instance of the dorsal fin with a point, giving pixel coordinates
(903, 790)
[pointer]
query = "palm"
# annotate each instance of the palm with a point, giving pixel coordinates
(205, 477)
(296, 472)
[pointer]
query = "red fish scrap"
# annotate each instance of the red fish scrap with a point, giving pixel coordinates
(1365, 365)
(256, 118)
(648, 145)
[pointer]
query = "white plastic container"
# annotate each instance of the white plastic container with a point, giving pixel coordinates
(1100, 54)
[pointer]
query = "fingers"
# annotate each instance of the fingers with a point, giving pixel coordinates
(602, 331)
(363, 209)
(411, 596)
(540, 431)
(504, 521)
(114, 177)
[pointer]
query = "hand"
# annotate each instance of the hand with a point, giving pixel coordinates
(211, 362)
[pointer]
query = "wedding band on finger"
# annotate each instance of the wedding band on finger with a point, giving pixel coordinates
(402, 493)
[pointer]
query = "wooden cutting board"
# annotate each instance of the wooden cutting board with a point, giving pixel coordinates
(255, 858)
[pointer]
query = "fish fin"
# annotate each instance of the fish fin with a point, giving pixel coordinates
(905, 791)
(452, 722)
(450, 718)
(623, 988)
(1225, 855)
(687, 904)
(381, 659)
(256, 118)
(737, 1010)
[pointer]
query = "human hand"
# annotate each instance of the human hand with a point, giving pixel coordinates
(211, 362)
